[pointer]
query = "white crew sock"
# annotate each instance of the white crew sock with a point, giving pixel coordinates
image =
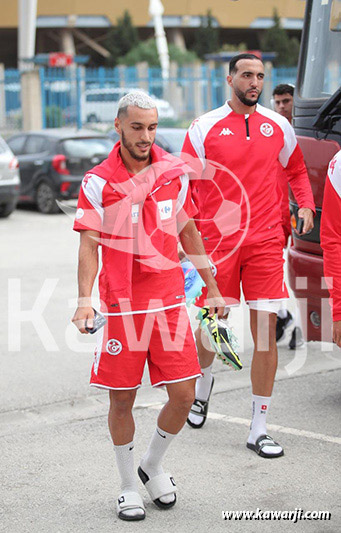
(203, 384)
(260, 407)
(282, 313)
(151, 461)
(125, 464)
(202, 391)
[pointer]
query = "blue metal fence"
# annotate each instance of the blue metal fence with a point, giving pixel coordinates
(78, 95)
(284, 75)
(12, 90)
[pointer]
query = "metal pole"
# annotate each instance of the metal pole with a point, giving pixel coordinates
(27, 15)
(156, 10)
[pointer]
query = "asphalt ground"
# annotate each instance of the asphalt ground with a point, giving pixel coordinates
(57, 462)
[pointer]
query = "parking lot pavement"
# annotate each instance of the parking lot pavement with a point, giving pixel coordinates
(57, 467)
(58, 472)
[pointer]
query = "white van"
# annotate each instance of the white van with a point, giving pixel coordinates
(100, 105)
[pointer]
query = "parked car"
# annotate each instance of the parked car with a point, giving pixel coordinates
(170, 139)
(9, 180)
(53, 162)
(100, 104)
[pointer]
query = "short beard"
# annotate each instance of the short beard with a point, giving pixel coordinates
(129, 147)
(244, 100)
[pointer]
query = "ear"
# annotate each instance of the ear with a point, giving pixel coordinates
(117, 125)
(229, 80)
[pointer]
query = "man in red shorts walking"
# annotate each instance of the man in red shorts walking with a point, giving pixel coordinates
(247, 246)
(135, 204)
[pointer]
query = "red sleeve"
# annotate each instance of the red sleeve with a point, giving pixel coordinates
(283, 197)
(331, 244)
(299, 180)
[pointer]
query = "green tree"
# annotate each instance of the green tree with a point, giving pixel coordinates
(206, 38)
(277, 40)
(147, 51)
(121, 39)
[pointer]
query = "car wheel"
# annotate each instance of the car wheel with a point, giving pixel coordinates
(46, 199)
(7, 209)
(92, 118)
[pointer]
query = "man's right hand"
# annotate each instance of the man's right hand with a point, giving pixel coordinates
(337, 332)
(81, 315)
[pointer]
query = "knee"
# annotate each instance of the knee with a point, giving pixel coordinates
(265, 333)
(121, 402)
(183, 401)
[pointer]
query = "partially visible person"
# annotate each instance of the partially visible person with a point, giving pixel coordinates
(283, 101)
(283, 96)
(331, 241)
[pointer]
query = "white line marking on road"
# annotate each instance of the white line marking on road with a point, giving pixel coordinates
(271, 427)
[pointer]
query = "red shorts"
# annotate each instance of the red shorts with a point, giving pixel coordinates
(163, 338)
(259, 267)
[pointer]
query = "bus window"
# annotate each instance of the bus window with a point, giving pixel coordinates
(322, 73)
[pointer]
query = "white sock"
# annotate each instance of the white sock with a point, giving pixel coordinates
(151, 461)
(282, 313)
(203, 384)
(202, 391)
(260, 407)
(125, 464)
(298, 321)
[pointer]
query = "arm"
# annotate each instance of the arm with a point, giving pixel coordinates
(331, 244)
(300, 185)
(195, 251)
(87, 271)
(291, 158)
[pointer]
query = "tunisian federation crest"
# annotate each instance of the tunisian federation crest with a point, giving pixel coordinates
(114, 347)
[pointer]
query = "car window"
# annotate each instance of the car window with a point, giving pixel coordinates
(87, 147)
(36, 144)
(16, 144)
(103, 97)
(161, 141)
(175, 139)
(114, 135)
(3, 146)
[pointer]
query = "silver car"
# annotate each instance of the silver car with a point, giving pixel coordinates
(9, 180)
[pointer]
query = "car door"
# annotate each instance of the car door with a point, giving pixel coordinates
(16, 144)
(33, 163)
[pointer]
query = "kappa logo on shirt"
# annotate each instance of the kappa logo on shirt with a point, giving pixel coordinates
(266, 129)
(226, 131)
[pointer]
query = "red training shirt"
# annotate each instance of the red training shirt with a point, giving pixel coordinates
(149, 290)
(239, 205)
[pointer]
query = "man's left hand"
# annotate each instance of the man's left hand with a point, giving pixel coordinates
(308, 216)
(215, 301)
